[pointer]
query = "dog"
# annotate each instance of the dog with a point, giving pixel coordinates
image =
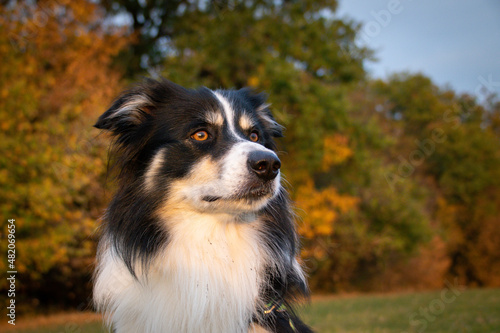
(200, 234)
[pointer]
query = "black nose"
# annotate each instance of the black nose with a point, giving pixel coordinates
(266, 165)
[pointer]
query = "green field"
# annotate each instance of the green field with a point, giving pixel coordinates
(468, 311)
(443, 311)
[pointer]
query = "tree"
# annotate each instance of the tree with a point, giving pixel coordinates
(152, 23)
(377, 168)
(298, 25)
(296, 52)
(54, 81)
(450, 143)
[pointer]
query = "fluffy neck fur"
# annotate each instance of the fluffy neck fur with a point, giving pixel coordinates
(207, 279)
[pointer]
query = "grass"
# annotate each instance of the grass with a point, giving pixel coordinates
(437, 312)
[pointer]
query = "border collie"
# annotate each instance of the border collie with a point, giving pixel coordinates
(199, 236)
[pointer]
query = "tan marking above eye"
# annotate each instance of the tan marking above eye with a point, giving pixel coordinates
(200, 136)
(246, 122)
(215, 118)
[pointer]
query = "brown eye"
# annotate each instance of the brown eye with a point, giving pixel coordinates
(200, 136)
(254, 137)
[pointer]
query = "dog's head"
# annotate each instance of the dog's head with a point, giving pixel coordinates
(210, 150)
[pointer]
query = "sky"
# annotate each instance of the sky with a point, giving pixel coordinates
(455, 42)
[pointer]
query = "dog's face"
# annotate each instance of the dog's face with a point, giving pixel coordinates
(210, 150)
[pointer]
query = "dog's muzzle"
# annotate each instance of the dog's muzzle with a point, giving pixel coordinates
(266, 165)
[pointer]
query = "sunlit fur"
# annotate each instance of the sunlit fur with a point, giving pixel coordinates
(194, 240)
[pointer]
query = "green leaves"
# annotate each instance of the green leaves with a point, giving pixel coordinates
(377, 168)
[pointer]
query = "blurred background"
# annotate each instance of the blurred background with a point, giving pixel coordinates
(391, 149)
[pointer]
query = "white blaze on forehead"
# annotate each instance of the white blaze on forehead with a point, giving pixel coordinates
(228, 112)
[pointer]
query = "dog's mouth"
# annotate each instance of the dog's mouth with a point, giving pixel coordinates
(251, 193)
(255, 193)
(210, 198)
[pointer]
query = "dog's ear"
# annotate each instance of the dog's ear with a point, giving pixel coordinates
(259, 103)
(267, 118)
(131, 109)
(139, 105)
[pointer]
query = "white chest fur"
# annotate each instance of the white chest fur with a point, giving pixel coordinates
(206, 280)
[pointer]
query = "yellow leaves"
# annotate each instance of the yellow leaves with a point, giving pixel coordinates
(5, 126)
(321, 208)
(54, 80)
(253, 81)
(4, 176)
(335, 150)
(324, 229)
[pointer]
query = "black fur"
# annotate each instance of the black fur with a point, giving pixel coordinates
(164, 114)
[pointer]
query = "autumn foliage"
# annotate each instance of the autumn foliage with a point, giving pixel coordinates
(396, 182)
(55, 78)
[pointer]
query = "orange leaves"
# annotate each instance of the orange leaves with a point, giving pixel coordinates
(335, 150)
(321, 208)
(62, 47)
(253, 81)
(55, 79)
